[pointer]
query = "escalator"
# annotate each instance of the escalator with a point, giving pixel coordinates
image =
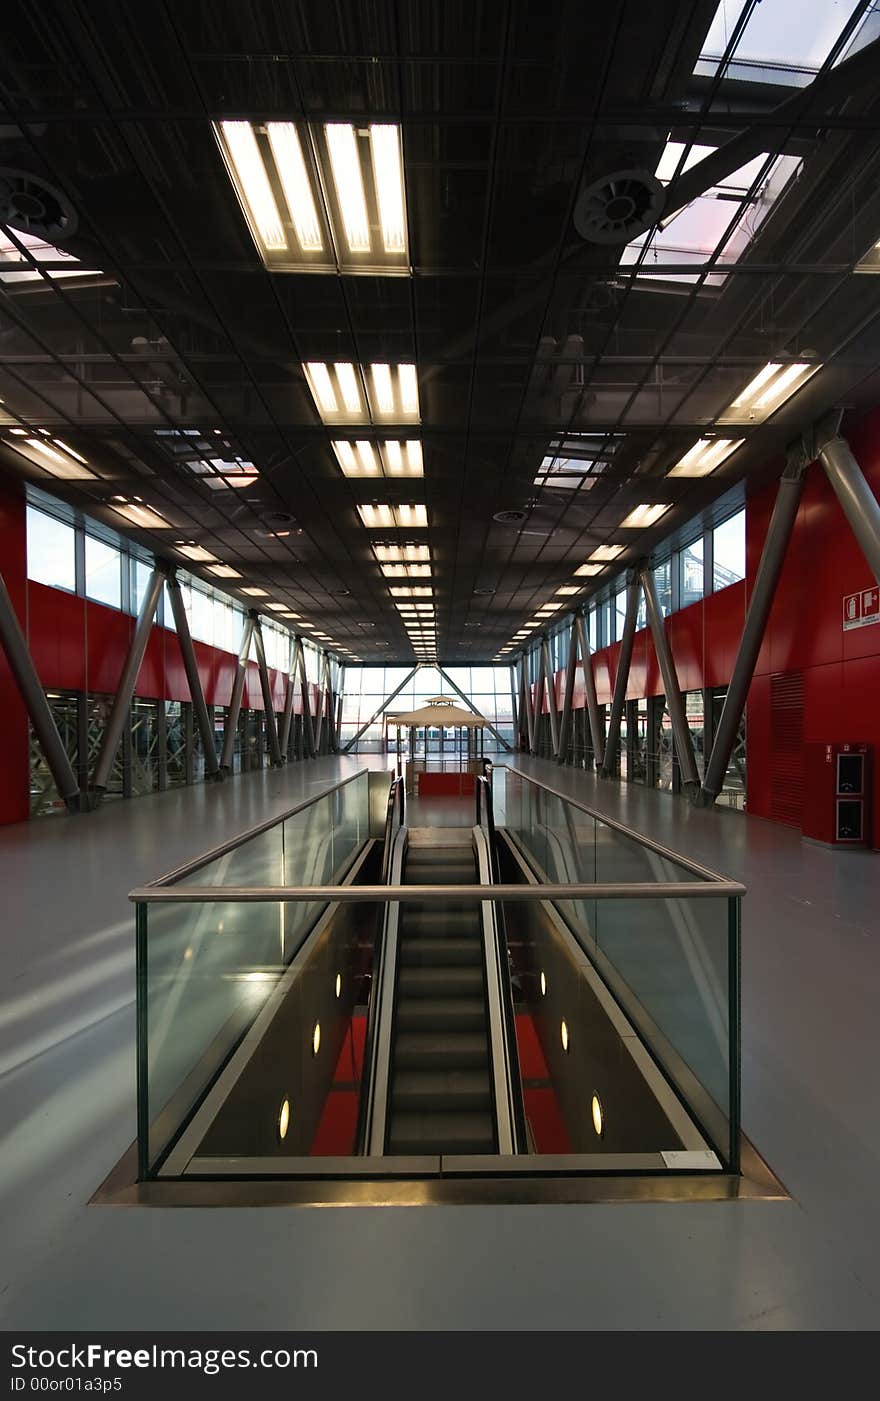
(440, 1097)
(441, 1058)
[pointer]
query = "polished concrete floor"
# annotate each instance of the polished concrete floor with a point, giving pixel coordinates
(811, 1038)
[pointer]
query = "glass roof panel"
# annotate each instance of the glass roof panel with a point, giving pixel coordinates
(771, 48)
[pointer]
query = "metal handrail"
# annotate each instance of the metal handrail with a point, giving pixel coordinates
(370, 894)
(704, 872)
(234, 842)
(396, 798)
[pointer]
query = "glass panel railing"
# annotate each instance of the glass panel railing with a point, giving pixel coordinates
(208, 968)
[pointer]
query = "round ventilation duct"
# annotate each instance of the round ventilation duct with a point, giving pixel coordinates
(33, 206)
(509, 517)
(619, 207)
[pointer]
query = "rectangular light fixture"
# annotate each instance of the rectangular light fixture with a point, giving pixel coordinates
(416, 591)
(136, 513)
(393, 393)
(286, 149)
(392, 553)
(277, 607)
(249, 172)
(391, 458)
(549, 607)
(705, 455)
(640, 517)
(255, 593)
(769, 389)
(392, 397)
(607, 552)
(386, 517)
(198, 553)
(57, 462)
(406, 571)
(587, 570)
(569, 589)
(224, 571)
(281, 171)
(336, 390)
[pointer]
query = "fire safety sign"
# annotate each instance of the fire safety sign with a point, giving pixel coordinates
(861, 609)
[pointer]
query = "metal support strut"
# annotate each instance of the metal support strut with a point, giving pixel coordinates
(120, 710)
(597, 738)
(621, 677)
(284, 739)
(779, 531)
(684, 745)
(194, 680)
(470, 705)
(550, 686)
(860, 505)
(376, 713)
(36, 704)
(268, 698)
(568, 700)
(234, 711)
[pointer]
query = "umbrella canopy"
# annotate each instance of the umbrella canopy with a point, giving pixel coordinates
(445, 714)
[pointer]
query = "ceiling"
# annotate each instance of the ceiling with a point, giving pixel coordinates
(565, 361)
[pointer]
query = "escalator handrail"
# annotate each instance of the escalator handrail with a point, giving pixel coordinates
(372, 1123)
(395, 817)
(510, 1122)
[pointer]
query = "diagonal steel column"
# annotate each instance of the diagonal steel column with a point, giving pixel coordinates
(782, 521)
(376, 713)
(194, 680)
(684, 745)
(228, 754)
(34, 697)
(621, 677)
(268, 698)
(597, 738)
(121, 708)
(550, 684)
(527, 703)
(308, 726)
(286, 718)
(514, 702)
(470, 705)
(339, 703)
(570, 673)
(860, 505)
(324, 688)
(537, 667)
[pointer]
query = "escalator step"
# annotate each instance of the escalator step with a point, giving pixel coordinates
(433, 953)
(441, 1014)
(462, 873)
(444, 1132)
(446, 981)
(428, 1050)
(441, 1089)
(436, 922)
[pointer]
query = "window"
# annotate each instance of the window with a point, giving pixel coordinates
(663, 585)
(729, 551)
(690, 576)
(51, 551)
(619, 615)
(103, 573)
(140, 577)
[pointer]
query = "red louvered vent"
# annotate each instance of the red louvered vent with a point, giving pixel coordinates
(787, 747)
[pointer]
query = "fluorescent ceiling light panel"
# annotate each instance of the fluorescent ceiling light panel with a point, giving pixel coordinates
(388, 179)
(57, 462)
(642, 516)
(705, 455)
(417, 591)
(769, 389)
(323, 392)
(348, 182)
(607, 552)
(198, 553)
(568, 589)
(277, 607)
(383, 394)
(406, 571)
(224, 571)
(394, 393)
(377, 516)
(411, 516)
(588, 570)
(253, 184)
(71, 452)
(138, 514)
(255, 593)
(391, 553)
(287, 154)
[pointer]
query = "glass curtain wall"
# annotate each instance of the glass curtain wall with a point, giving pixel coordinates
(487, 687)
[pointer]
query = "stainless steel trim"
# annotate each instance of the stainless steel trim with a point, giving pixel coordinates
(439, 894)
(498, 1046)
(215, 852)
(380, 1064)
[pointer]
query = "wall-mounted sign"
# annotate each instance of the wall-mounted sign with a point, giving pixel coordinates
(861, 609)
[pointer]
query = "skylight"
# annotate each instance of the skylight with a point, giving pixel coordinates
(700, 230)
(41, 252)
(781, 43)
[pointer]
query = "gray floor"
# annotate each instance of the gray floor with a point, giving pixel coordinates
(810, 1032)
